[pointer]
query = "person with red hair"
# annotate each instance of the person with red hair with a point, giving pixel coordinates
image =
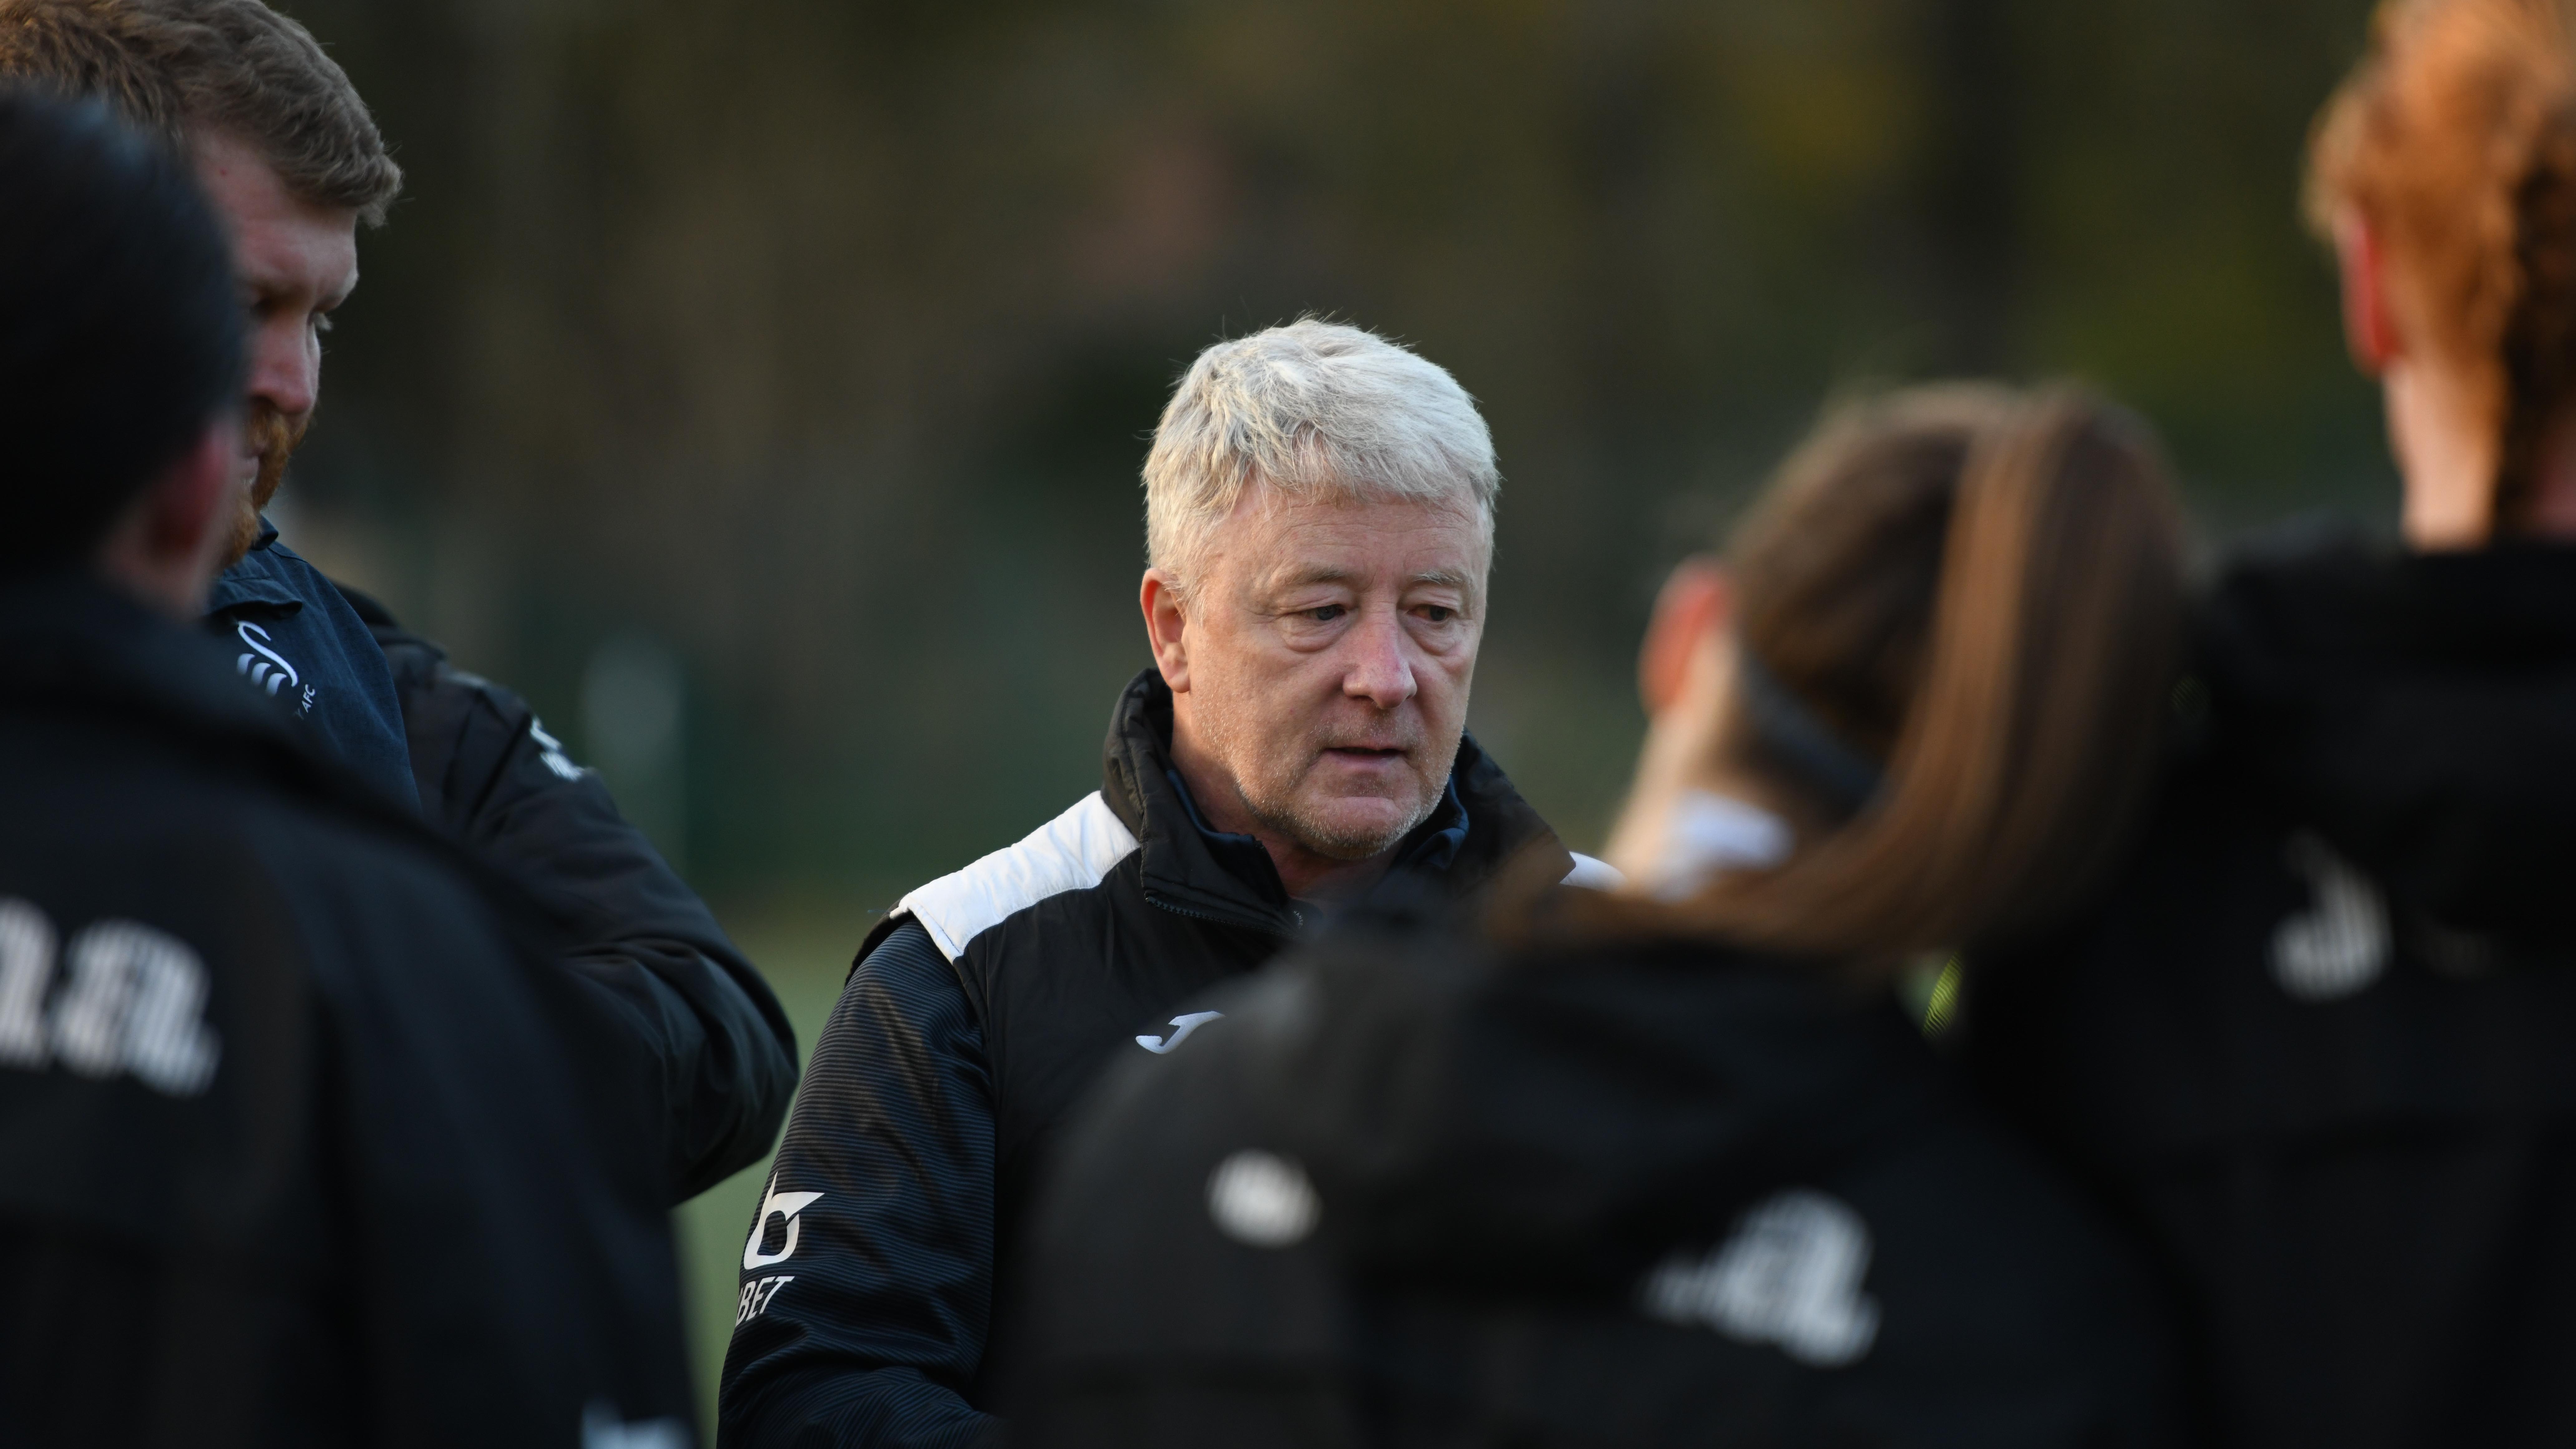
(2319, 1047)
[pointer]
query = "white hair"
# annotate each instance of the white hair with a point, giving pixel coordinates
(1313, 409)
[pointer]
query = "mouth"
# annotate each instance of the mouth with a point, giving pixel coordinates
(1358, 754)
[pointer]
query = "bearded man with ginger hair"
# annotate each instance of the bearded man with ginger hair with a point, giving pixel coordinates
(294, 164)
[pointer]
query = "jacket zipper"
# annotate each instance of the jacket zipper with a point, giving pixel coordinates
(1212, 919)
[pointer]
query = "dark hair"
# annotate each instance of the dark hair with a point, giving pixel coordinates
(1959, 612)
(176, 66)
(120, 334)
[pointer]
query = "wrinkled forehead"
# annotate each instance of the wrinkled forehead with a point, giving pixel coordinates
(1275, 538)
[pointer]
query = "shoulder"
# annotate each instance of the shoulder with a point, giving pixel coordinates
(1072, 852)
(341, 867)
(2291, 597)
(297, 818)
(235, 862)
(180, 786)
(901, 972)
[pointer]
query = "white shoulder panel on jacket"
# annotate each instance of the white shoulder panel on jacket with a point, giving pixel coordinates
(1069, 853)
(1593, 875)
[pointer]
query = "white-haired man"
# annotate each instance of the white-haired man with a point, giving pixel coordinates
(1319, 525)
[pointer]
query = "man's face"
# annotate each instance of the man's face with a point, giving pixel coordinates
(295, 261)
(1329, 649)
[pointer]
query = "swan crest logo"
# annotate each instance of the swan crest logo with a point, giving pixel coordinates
(267, 669)
(2339, 946)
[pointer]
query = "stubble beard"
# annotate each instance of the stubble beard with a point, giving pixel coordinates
(1273, 800)
(1334, 843)
(276, 440)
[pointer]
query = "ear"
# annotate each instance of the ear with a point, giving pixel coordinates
(168, 544)
(194, 502)
(1164, 629)
(2368, 328)
(1696, 604)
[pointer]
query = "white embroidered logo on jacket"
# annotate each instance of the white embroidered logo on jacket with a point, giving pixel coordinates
(267, 668)
(2340, 946)
(1182, 1026)
(551, 751)
(1790, 1276)
(1262, 1199)
(133, 1002)
(776, 1205)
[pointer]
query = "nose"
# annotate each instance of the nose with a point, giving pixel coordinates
(285, 366)
(1377, 669)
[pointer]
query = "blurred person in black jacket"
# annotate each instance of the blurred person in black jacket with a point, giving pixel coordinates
(300, 1143)
(1670, 1165)
(2320, 1046)
(294, 163)
(1319, 519)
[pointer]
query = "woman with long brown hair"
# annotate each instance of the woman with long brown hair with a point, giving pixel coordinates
(2319, 1045)
(1670, 1164)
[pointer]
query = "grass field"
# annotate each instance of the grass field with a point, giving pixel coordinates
(805, 955)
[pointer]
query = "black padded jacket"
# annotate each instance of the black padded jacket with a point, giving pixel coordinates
(303, 1140)
(494, 780)
(2319, 1045)
(1414, 1190)
(884, 1256)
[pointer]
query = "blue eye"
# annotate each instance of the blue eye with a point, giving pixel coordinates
(1327, 614)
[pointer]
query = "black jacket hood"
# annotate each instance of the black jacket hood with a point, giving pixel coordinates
(2418, 709)
(1183, 869)
(411, 1164)
(1560, 1119)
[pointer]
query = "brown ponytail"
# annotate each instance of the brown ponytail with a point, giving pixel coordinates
(2455, 138)
(1982, 589)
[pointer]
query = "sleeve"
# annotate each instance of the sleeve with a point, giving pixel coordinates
(867, 1279)
(493, 779)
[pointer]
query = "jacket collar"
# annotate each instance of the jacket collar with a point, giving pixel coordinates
(252, 582)
(1481, 824)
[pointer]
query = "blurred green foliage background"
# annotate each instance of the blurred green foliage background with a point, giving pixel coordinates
(777, 371)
